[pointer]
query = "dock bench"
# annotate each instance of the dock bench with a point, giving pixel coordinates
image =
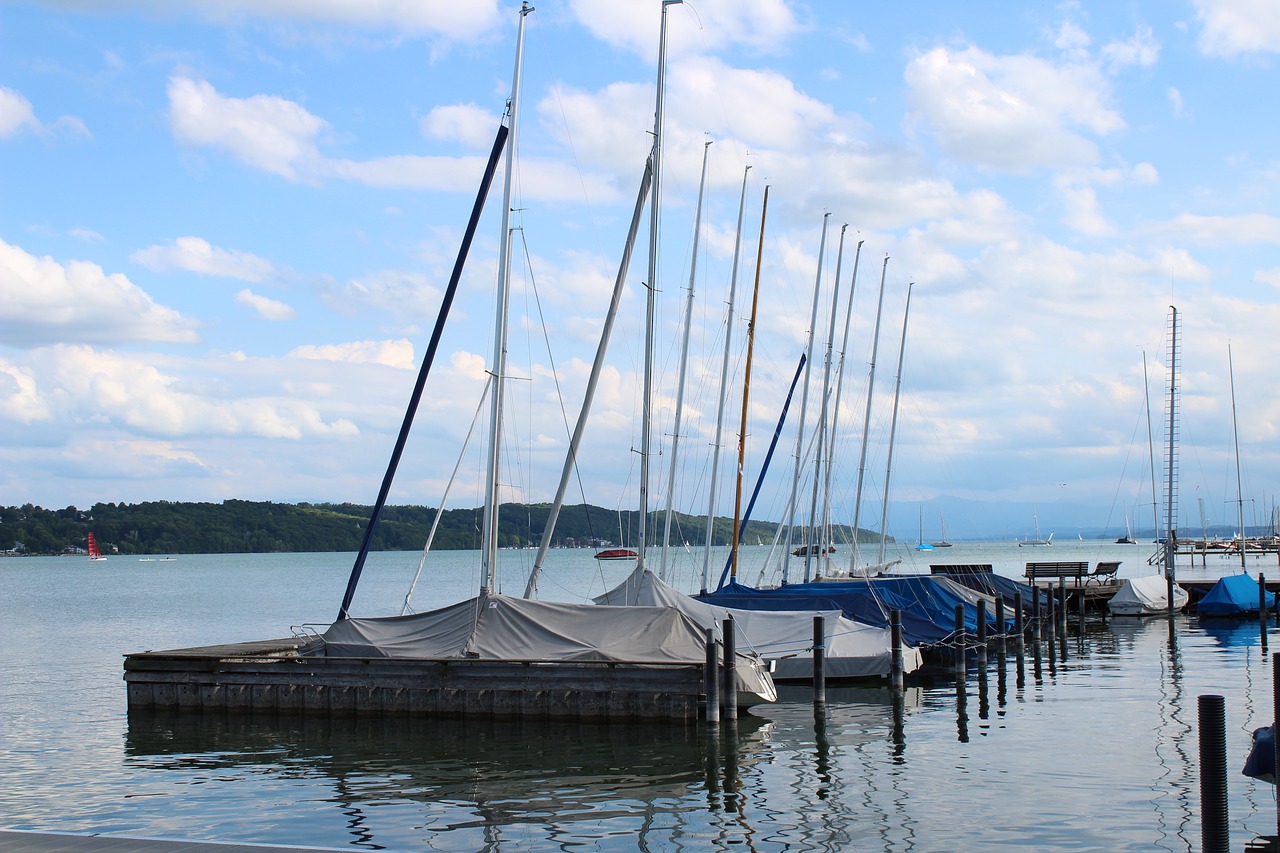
(960, 569)
(1055, 571)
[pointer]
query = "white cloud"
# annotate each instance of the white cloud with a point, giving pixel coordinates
(43, 301)
(405, 293)
(15, 113)
(1175, 102)
(267, 309)
(759, 24)
(465, 123)
(448, 18)
(131, 391)
(1233, 27)
(263, 131)
(1142, 49)
(1271, 277)
(1244, 229)
(1010, 112)
(194, 254)
(397, 354)
(19, 399)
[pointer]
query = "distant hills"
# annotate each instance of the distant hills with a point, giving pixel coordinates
(236, 526)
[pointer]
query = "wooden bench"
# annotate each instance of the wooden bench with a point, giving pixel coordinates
(1104, 573)
(1055, 571)
(960, 569)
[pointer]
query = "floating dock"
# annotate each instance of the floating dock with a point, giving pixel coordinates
(280, 676)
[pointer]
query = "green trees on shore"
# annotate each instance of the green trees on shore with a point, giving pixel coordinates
(235, 526)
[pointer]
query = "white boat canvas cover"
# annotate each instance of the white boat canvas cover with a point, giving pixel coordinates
(1146, 596)
(783, 638)
(501, 627)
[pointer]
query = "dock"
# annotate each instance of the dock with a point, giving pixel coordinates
(280, 676)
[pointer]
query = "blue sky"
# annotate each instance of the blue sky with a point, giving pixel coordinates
(227, 225)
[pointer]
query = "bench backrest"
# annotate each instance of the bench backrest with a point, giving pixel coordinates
(1057, 570)
(960, 569)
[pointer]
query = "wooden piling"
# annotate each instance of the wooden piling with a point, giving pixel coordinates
(819, 661)
(712, 680)
(960, 638)
(895, 639)
(730, 672)
(1000, 631)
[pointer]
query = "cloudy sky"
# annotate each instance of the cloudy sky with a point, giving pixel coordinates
(226, 228)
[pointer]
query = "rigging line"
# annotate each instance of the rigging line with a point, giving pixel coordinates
(435, 522)
(555, 374)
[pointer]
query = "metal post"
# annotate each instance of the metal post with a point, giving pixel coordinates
(730, 672)
(982, 633)
(1275, 725)
(712, 676)
(819, 661)
(1035, 615)
(1214, 837)
(1062, 603)
(960, 638)
(1019, 625)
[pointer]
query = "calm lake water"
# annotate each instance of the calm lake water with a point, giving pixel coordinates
(1093, 749)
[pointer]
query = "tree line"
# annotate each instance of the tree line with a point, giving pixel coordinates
(238, 526)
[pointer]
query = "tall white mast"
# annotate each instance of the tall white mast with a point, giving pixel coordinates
(489, 533)
(684, 363)
(893, 428)
(866, 422)
(814, 518)
(835, 415)
(1235, 433)
(651, 289)
(804, 404)
(724, 381)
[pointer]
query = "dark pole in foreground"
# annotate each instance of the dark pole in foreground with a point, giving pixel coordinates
(428, 359)
(1275, 725)
(895, 638)
(1019, 627)
(1214, 837)
(712, 680)
(819, 661)
(730, 672)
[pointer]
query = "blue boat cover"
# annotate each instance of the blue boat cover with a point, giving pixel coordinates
(927, 603)
(1234, 595)
(992, 584)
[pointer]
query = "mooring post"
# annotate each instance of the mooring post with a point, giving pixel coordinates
(819, 662)
(1035, 614)
(1062, 604)
(1213, 775)
(960, 638)
(712, 681)
(895, 639)
(982, 632)
(1019, 625)
(1081, 594)
(1275, 725)
(1000, 626)
(730, 672)
(1051, 620)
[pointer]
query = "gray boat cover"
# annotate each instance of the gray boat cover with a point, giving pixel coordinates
(783, 638)
(501, 627)
(1146, 596)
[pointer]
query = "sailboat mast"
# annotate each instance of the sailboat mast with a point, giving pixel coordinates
(814, 518)
(684, 364)
(1170, 532)
(651, 289)
(724, 383)
(893, 428)
(804, 406)
(835, 414)
(866, 421)
(1151, 451)
(1235, 432)
(489, 534)
(746, 395)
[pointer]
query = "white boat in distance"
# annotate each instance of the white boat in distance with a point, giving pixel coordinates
(1037, 540)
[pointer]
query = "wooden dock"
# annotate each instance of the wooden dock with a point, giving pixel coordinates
(278, 676)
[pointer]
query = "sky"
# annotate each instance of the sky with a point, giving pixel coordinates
(226, 228)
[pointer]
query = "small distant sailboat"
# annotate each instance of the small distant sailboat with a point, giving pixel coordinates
(923, 545)
(1127, 538)
(942, 543)
(95, 553)
(1037, 540)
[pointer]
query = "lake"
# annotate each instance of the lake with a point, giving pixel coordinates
(1093, 748)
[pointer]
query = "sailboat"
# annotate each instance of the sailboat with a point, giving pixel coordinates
(1127, 538)
(95, 553)
(942, 543)
(922, 545)
(492, 627)
(1037, 540)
